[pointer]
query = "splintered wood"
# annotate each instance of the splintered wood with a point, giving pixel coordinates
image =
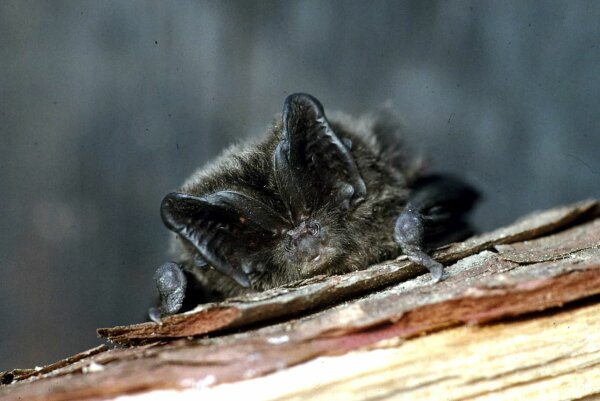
(520, 360)
(356, 326)
(318, 293)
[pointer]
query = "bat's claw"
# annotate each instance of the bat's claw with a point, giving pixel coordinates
(154, 315)
(436, 269)
(418, 256)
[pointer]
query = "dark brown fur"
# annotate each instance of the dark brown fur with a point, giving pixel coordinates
(358, 237)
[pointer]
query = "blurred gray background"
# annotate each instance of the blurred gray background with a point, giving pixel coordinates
(107, 106)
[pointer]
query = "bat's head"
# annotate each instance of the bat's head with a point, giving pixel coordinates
(289, 220)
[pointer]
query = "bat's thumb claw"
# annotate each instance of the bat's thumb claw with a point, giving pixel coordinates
(419, 257)
(437, 271)
(154, 315)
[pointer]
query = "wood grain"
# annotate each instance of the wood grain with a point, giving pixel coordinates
(552, 357)
(324, 291)
(540, 263)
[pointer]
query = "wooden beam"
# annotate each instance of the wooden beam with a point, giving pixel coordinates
(555, 356)
(322, 291)
(344, 323)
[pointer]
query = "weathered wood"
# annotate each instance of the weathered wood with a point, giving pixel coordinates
(324, 291)
(494, 282)
(551, 357)
(22, 374)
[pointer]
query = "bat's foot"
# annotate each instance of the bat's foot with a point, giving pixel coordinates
(435, 215)
(171, 284)
(409, 233)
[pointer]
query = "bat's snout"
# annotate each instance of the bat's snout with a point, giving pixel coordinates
(306, 240)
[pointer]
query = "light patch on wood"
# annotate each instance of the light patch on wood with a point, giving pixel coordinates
(555, 357)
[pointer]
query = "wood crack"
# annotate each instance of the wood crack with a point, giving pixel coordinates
(539, 263)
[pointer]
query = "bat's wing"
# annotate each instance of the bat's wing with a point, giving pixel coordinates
(232, 231)
(444, 202)
(313, 167)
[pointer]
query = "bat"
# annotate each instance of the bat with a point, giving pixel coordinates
(312, 197)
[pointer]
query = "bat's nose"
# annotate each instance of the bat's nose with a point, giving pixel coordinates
(306, 240)
(308, 246)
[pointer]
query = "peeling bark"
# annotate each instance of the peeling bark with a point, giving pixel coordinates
(541, 262)
(316, 294)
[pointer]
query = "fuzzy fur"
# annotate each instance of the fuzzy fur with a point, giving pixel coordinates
(357, 238)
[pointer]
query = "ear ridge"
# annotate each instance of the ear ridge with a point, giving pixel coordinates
(229, 229)
(288, 183)
(311, 162)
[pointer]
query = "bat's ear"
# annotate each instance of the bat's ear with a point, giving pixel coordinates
(312, 165)
(232, 231)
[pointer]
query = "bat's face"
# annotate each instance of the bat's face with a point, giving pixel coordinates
(298, 226)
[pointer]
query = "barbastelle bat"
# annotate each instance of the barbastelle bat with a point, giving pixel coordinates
(312, 197)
